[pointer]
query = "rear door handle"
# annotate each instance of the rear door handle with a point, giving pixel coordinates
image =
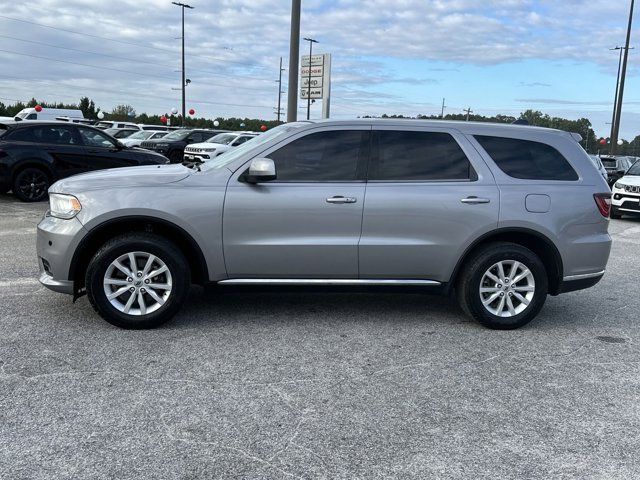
(475, 200)
(340, 199)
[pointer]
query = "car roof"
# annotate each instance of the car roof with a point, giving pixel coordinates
(462, 126)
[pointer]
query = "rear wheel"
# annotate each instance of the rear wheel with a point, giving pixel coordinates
(31, 184)
(138, 280)
(503, 286)
(615, 214)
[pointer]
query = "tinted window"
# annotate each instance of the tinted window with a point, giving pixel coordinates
(46, 134)
(197, 137)
(321, 157)
(418, 156)
(95, 138)
(527, 160)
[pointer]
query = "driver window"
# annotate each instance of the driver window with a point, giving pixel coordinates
(95, 138)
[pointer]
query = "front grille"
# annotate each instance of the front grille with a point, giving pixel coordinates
(635, 206)
(632, 188)
(148, 145)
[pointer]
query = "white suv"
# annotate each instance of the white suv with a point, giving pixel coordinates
(626, 193)
(201, 152)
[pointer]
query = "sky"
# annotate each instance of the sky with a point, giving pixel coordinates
(394, 57)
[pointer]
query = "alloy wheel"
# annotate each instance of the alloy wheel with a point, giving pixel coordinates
(507, 288)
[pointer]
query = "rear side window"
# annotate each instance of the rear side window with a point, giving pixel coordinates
(60, 135)
(418, 156)
(527, 160)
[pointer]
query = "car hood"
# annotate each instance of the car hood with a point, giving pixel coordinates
(148, 175)
(630, 180)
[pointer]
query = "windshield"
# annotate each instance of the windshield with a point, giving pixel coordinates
(237, 152)
(177, 135)
(223, 138)
(635, 169)
(141, 135)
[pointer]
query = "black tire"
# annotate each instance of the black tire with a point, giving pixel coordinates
(615, 214)
(471, 276)
(31, 184)
(156, 245)
(176, 157)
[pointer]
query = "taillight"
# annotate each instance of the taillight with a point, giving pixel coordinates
(603, 201)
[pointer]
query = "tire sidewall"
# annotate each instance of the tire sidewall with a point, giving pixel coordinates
(166, 252)
(490, 258)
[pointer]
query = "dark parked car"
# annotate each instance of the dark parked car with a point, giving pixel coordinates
(33, 155)
(616, 167)
(172, 145)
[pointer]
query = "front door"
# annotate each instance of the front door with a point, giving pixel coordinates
(306, 223)
(428, 194)
(102, 151)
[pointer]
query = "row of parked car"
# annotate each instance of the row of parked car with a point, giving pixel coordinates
(36, 153)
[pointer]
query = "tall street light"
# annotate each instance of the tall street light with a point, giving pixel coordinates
(294, 55)
(311, 42)
(184, 84)
(623, 74)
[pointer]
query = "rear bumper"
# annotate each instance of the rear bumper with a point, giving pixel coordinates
(580, 282)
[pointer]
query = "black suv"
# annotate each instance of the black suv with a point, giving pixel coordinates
(172, 145)
(33, 155)
(616, 166)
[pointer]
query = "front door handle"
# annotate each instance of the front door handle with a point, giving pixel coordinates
(340, 199)
(475, 200)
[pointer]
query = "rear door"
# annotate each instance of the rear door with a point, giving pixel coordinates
(428, 194)
(61, 143)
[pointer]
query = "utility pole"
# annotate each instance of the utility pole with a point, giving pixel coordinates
(615, 99)
(469, 111)
(442, 112)
(311, 42)
(294, 56)
(279, 111)
(623, 74)
(184, 85)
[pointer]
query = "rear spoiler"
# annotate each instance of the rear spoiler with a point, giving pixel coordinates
(576, 136)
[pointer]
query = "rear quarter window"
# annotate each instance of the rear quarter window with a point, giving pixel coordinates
(527, 160)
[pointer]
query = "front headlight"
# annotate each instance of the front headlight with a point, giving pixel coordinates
(209, 149)
(618, 185)
(63, 206)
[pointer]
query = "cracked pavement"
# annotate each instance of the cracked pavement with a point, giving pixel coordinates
(316, 384)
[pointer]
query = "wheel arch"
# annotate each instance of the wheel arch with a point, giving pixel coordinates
(99, 234)
(535, 241)
(22, 164)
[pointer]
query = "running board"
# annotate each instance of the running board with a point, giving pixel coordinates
(327, 281)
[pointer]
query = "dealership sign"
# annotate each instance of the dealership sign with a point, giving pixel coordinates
(315, 80)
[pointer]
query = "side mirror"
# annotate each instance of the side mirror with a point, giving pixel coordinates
(261, 170)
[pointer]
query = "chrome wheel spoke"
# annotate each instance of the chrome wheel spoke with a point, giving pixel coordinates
(118, 292)
(507, 288)
(133, 272)
(155, 296)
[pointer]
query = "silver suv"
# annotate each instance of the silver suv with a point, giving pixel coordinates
(498, 215)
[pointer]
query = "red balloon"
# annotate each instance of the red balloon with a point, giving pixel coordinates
(38, 108)
(603, 141)
(263, 128)
(191, 111)
(163, 119)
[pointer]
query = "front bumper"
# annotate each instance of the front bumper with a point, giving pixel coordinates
(625, 201)
(57, 240)
(198, 156)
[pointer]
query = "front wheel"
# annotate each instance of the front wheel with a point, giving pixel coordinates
(138, 280)
(503, 286)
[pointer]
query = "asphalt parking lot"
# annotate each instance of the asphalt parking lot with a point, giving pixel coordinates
(316, 384)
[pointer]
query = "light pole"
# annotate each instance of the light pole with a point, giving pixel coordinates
(294, 54)
(311, 42)
(623, 74)
(279, 112)
(184, 100)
